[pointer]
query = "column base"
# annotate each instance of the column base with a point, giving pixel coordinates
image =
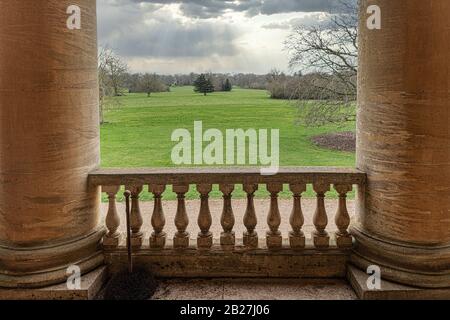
(91, 284)
(409, 264)
(47, 265)
(391, 290)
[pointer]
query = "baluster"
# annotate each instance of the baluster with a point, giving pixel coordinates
(181, 237)
(135, 216)
(204, 238)
(227, 238)
(112, 238)
(250, 219)
(296, 236)
(320, 236)
(342, 218)
(158, 237)
(274, 239)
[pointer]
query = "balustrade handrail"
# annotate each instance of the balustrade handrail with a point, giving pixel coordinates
(321, 179)
(285, 175)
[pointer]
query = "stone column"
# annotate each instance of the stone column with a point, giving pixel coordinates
(403, 142)
(49, 142)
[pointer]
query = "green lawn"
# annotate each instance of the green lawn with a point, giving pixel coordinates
(138, 133)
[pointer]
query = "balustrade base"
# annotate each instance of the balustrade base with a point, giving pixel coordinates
(181, 241)
(204, 242)
(250, 240)
(112, 242)
(227, 240)
(344, 241)
(239, 262)
(274, 240)
(158, 241)
(321, 240)
(297, 241)
(137, 241)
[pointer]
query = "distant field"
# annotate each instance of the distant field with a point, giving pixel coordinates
(138, 134)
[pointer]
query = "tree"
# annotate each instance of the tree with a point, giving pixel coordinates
(113, 70)
(203, 85)
(331, 52)
(111, 76)
(150, 83)
(226, 86)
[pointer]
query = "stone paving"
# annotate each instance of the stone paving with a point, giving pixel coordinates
(255, 289)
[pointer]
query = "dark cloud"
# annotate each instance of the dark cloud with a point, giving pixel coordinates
(149, 29)
(134, 32)
(173, 40)
(204, 9)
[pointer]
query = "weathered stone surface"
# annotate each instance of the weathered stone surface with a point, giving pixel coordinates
(391, 290)
(296, 241)
(49, 141)
(254, 289)
(240, 262)
(181, 241)
(403, 141)
(250, 240)
(321, 240)
(91, 283)
(274, 241)
(112, 242)
(345, 241)
(225, 175)
(158, 241)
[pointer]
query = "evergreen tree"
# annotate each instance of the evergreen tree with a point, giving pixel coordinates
(226, 86)
(203, 85)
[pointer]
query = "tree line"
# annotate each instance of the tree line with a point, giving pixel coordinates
(323, 88)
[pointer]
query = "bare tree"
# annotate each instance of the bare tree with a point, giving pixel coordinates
(151, 83)
(111, 75)
(330, 51)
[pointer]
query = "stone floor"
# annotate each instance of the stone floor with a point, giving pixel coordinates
(239, 206)
(255, 289)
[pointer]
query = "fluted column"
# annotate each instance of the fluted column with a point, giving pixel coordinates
(404, 142)
(49, 142)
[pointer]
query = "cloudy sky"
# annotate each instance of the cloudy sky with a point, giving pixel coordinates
(180, 36)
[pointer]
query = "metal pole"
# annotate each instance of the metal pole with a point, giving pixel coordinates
(127, 195)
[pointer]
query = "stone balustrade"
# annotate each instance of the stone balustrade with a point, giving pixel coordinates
(322, 180)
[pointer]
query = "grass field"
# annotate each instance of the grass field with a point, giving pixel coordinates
(138, 133)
